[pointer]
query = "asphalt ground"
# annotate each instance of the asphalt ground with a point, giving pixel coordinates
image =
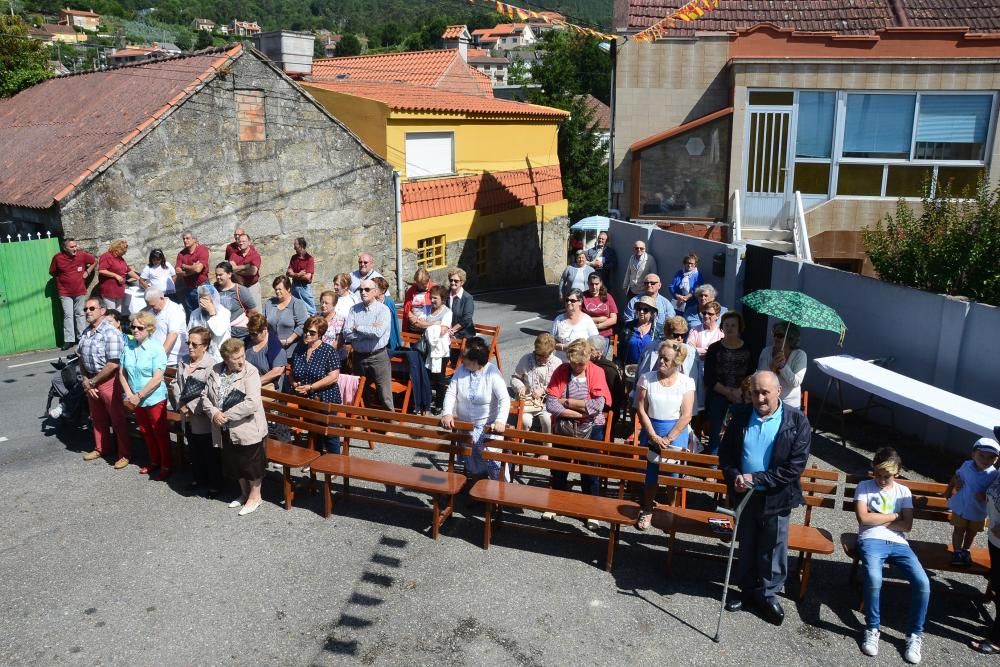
(104, 567)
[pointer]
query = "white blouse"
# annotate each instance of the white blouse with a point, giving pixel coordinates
(664, 403)
(566, 332)
(479, 397)
(160, 277)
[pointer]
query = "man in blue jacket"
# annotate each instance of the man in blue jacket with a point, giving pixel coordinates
(765, 449)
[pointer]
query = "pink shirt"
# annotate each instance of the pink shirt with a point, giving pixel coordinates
(700, 338)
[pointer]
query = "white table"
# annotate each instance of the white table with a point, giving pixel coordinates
(927, 399)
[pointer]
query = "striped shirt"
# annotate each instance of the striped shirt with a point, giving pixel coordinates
(367, 328)
(99, 345)
(578, 391)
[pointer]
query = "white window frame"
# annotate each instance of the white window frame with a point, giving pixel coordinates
(413, 166)
(836, 152)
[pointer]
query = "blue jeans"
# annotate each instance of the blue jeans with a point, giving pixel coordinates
(331, 444)
(716, 405)
(305, 293)
(874, 554)
(589, 484)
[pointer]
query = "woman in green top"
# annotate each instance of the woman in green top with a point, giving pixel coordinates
(141, 377)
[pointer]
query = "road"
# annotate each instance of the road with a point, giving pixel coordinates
(105, 567)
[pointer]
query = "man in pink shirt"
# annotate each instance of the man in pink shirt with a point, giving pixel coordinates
(246, 262)
(192, 271)
(71, 267)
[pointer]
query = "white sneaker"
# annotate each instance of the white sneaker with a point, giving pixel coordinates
(913, 645)
(593, 524)
(869, 645)
(548, 516)
(56, 412)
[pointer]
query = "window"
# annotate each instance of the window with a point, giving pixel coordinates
(878, 126)
(481, 255)
(250, 115)
(431, 253)
(429, 154)
(952, 127)
(815, 132)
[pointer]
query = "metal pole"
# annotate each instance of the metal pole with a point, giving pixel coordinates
(729, 561)
(611, 134)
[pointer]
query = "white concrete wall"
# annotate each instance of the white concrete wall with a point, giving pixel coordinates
(936, 339)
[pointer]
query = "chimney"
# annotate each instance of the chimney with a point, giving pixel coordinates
(463, 48)
(291, 51)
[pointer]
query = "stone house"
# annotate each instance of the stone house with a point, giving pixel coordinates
(207, 142)
(208, 25)
(844, 107)
(78, 18)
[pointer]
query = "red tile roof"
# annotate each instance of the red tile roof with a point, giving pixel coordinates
(443, 69)
(842, 16)
(57, 29)
(602, 112)
(402, 97)
(55, 135)
(79, 12)
(453, 32)
(488, 193)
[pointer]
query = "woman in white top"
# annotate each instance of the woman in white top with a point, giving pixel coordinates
(666, 399)
(435, 322)
(345, 297)
(211, 315)
(158, 274)
(784, 358)
(477, 393)
(574, 324)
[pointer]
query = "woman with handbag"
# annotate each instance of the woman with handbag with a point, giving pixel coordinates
(231, 400)
(530, 380)
(477, 393)
(193, 369)
(143, 363)
(576, 397)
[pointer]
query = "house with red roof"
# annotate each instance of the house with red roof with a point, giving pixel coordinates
(480, 186)
(205, 142)
(800, 123)
(79, 18)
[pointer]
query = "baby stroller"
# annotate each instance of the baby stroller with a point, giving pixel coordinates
(67, 388)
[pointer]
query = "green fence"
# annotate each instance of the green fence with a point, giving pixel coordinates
(30, 314)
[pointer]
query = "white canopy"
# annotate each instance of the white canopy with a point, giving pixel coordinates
(942, 405)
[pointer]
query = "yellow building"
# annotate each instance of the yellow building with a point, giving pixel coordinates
(480, 181)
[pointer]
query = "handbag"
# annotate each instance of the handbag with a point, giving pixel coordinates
(193, 388)
(574, 428)
(232, 399)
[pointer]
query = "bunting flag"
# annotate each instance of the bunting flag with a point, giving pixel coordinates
(692, 11)
(510, 11)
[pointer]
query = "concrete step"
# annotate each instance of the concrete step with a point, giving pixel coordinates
(787, 247)
(757, 234)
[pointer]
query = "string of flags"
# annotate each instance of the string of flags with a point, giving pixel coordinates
(692, 11)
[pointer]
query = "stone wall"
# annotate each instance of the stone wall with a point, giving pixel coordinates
(520, 256)
(310, 177)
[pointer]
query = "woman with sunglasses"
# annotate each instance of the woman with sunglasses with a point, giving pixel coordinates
(707, 332)
(158, 273)
(143, 364)
(265, 352)
(193, 369)
(784, 358)
(601, 308)
(316, 369)
(641, 332)
(572, 325)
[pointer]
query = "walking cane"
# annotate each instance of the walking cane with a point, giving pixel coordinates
(732, 549)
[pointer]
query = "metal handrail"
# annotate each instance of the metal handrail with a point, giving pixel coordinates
(737, 216)
(800, 232)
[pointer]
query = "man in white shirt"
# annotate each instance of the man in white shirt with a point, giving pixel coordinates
(170, 323)
(366, 271)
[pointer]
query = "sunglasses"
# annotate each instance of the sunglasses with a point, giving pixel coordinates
(454, 280)
(191, 343)
(90, 308)
(572, 301)
(651, 282)
(311, 332)
(138, 327)
(639, 247)
(677, 335)
(366, 289)
(643, 310)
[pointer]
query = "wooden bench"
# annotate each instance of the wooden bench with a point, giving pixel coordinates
(929, 504)
(574, 455)
(390, 428)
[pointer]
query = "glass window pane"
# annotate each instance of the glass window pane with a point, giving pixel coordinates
(815, 130)
(812, 178)
(779, 97)
(685, 175)
(953, 127)
(878, 126)
(907, 181)
(957, 181)
(860, 179)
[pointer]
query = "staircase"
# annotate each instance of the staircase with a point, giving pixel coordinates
(782, 240)
(793, 240)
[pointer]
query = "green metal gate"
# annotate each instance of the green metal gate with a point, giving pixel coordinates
(30, 314)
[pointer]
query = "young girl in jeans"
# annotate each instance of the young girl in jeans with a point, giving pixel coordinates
(885, 514)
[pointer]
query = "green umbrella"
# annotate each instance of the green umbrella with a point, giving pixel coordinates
(796, 308)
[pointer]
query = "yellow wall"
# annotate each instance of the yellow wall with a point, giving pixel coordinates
(480, 145)
(366, 118)
(470, 224)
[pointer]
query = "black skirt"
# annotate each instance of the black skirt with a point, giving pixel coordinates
(243, 461)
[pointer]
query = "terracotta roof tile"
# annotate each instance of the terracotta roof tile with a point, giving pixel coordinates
(979, 15)
(488, 193)
(602, 112)
(55, 134)
(453, 32)
(443, 69)
(401, 97)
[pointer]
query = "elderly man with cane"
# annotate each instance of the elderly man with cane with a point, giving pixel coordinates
(765, 451)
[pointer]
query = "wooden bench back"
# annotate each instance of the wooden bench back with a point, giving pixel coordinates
(929, 500)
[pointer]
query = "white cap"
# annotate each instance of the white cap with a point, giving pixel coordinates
(987, 445)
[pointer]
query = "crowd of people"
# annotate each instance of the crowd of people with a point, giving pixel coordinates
(671, 365)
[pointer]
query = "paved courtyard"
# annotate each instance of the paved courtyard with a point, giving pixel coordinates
(104, 567)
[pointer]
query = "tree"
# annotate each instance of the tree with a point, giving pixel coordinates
(949, 248)
(566, 74)
(518, 73)
(204, 40)
(23, 61)
(349, 45)
(183, 40)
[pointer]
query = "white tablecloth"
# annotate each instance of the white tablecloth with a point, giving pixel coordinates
(924, 398)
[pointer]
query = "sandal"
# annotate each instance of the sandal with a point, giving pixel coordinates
(644, 521)
(984, 647)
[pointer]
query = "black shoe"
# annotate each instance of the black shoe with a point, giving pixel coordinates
(772, 612)
(67, 346)
(736, 604)
(58, 364)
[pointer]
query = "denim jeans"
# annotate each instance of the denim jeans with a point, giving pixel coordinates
(589, 484)
(874, 554)
(716, 405)
(305, 293)
(331, 444)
